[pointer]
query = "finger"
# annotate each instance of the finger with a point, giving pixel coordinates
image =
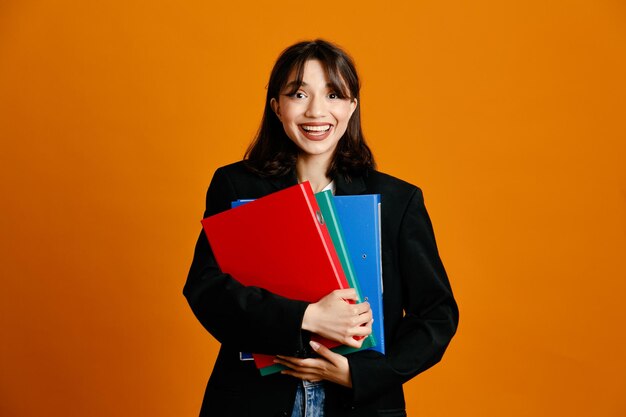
(360, 332)
(302, 375)
(324, 352)
(362, 308)
(286, 359)
(303, 372)
(300, 365)
(293, 363)
(346, 294)
(363, 329)
(362, 319)
(353, 342)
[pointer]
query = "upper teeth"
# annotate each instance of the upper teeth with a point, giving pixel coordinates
(316, 128)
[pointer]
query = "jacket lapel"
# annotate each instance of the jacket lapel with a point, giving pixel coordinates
(355, 186)
(283, 182)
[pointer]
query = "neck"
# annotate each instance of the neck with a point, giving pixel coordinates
(313, 170)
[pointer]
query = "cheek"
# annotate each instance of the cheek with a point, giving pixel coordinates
(343, 112)
(289, 119)
(289, 124)
(343, 116)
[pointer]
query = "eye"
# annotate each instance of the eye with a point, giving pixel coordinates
(297, 94)
(333, 96)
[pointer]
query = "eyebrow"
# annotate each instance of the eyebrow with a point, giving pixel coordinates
(294, 83)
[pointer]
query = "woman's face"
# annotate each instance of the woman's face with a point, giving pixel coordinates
(314, 117)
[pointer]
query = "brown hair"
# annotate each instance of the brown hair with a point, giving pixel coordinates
(272, 153)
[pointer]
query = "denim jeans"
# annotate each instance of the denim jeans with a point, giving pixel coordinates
(309, 400)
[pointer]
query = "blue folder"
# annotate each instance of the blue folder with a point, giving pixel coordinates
(359, 216)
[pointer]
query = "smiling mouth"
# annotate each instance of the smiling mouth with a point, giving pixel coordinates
(316, 130)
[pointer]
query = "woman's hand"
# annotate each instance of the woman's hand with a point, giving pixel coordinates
(330, 366)
(334, 318)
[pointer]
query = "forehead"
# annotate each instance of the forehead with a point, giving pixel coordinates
(314, 70)
(308, 69)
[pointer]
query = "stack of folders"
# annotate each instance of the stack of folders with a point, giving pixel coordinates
(303, 246)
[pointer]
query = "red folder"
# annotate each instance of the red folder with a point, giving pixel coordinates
(280, 243)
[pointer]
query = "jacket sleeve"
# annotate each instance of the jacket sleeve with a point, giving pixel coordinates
(430, 311)
(244, 318)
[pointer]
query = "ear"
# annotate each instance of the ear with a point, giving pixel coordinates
(275, 107)
(353, 104)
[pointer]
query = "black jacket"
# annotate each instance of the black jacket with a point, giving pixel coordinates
(420, 313)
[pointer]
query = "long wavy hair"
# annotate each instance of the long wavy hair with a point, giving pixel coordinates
(272, 153)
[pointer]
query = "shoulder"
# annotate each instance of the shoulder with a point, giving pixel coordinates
(382, 179)
(235, 173)
(234, 169)
(391, 187)
(398, 198)
(244, 183)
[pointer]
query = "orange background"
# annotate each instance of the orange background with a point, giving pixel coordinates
(114, 115)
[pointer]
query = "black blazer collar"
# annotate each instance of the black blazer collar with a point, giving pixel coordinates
(284, 181)
(356, 185)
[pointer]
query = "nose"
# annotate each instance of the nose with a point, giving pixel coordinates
(316, 107)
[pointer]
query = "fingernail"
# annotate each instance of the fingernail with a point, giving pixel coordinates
(314, 345)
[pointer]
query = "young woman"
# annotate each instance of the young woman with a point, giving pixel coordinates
(311, 131)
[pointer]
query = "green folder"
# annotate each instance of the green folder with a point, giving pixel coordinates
(329, 213)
